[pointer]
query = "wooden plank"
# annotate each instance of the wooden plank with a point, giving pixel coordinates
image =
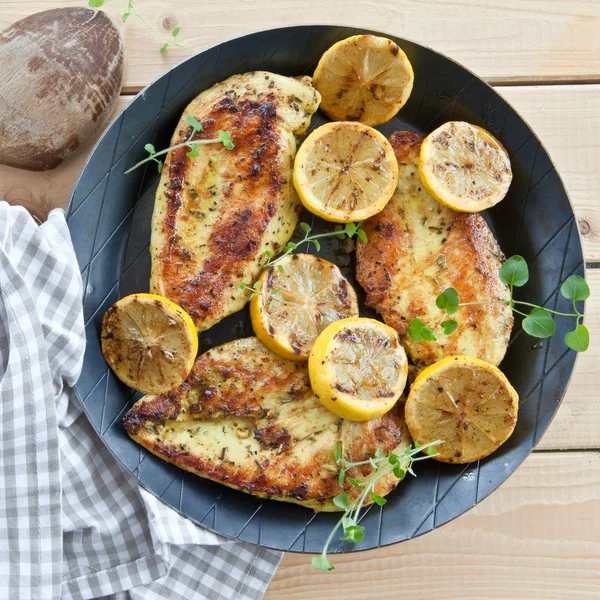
(577, 422)
(509, 41)
(537, 536)
(567, 119)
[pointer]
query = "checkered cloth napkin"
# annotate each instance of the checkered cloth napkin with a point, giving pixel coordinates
(72, 524)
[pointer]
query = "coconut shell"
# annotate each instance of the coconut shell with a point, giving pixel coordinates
(61, 72)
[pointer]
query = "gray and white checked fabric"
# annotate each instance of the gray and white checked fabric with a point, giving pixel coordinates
(72, 524)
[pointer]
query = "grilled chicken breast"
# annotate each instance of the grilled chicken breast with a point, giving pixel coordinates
(417, 248)
(216, 214)
(247, 418)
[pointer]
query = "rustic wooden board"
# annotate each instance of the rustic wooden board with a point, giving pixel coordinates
(538, 536)
(509, 41)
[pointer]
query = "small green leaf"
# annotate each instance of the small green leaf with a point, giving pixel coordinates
(579, 339)
(514, 272)
(256, 284)
(362, 236)
(317, 245)
(575, 288)
(378, 453)
(377, 499)
(176, 31)
(226, 140)
(354, 533)
(243, 285)
(290, 246)
(339, 232)
(449, 326)
(194, 151)
(164, 48)
(399, 472)
(350, 229)
(341, 477)
(419, 332)
(125, 16)
(95, 3)
(393, 459)
(280, 268)
(268, 254)
(160, 165)
(193, 123)
(338, 453)
(322, 564)
(341, 501)
(149, 148)
(355, 483)
(539, 323)
(305, 227)
(448, 301)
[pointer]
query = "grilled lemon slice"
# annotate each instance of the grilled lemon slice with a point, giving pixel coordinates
(299, 297)
(464, 167)
(149, 342)
(357, 368)
(363, 78)
(345, 172)
(464, 401)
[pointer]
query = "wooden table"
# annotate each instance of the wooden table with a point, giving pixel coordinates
(538, 536)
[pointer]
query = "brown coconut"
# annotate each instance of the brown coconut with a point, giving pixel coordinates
(60, 76)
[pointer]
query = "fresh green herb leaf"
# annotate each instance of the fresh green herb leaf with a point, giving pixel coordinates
(514, 272)
(290, 246)
(193, 123)
(347, 520)
(399, 472)
(125, 16)
(164, 48)
(317, 245)
(377, 499)
(419, 332)
(341, 477)
(280, 268)
(355, 483)
(354, 533)
(578, 339)
(350, 229)
(176, 31)
(539, 323)
(378, 453)
(305, 227)
(193, 153)
(449, 326)
(268, 254)
(149, 148)
(575, 288)
(393, 459)
(448, 301)
(338, 453)
(160, 165)
(362, 236)
(226, 140)
(342, 500)
(95, 3)
(243, 285)
(322, 564)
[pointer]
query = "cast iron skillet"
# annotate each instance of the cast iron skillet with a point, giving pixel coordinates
(109, 218)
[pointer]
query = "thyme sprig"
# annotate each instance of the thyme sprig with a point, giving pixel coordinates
(188, 142)
(130, 9)
(398, 464)
(538, 322)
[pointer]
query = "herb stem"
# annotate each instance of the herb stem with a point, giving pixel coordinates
(562, 314)
(488, 302)
(166, 150)
(171, 41)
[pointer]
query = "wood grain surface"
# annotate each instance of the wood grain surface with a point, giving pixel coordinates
(538, 536)
(508, 41)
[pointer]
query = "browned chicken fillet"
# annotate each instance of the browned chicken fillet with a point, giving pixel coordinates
(417, 248)
(248, 419)
(216, 214)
